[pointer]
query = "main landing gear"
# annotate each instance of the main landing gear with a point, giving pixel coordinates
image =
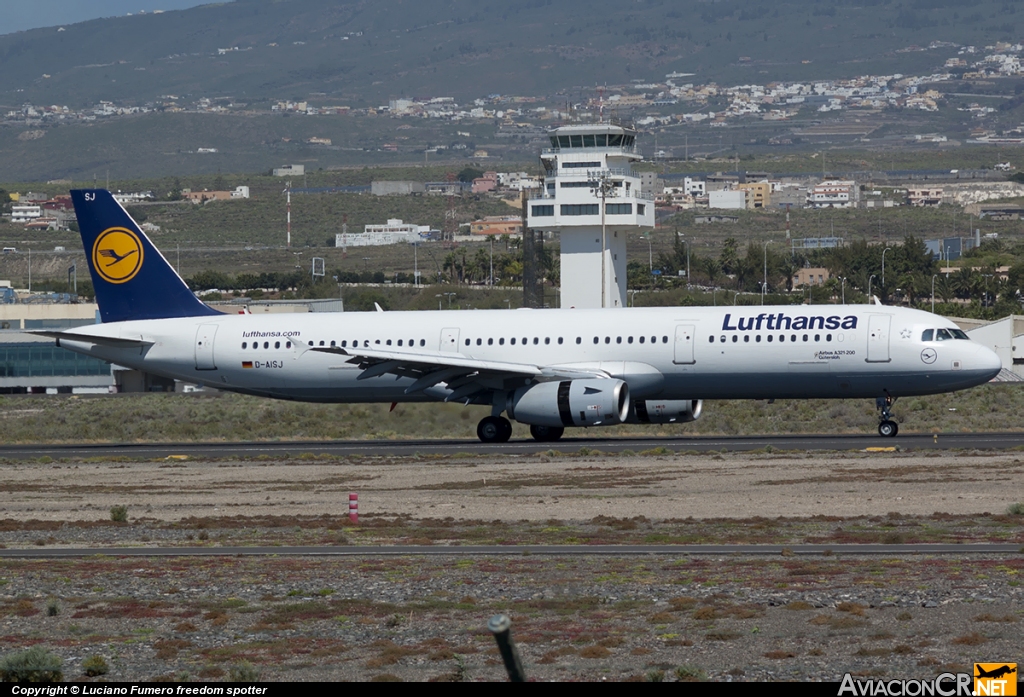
(494, 429)
(546, 434)
(886, 427)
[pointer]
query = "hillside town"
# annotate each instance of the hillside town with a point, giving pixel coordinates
(674, 99)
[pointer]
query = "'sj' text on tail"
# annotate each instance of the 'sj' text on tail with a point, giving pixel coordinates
(131, 278)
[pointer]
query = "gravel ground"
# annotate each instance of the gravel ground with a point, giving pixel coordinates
(574, 618)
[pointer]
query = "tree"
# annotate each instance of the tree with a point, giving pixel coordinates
(468, 174)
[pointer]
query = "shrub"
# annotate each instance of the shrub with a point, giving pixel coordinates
(691, 674)
(52, 608)
(119, 514)
(244, 672)
(95, 665)
(34, 665)
(1015, 509)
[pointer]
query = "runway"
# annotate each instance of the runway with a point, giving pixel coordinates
(520, 550)
(407, 448)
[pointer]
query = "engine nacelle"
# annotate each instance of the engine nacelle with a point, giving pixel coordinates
(590, 402)
(665, 411)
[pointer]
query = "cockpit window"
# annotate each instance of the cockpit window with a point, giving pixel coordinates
(928, 335)
(960, 334)
(942, 335)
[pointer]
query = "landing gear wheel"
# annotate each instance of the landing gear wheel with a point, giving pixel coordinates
(494, 429)
(546, 434)
(888, 429)
(506, 429)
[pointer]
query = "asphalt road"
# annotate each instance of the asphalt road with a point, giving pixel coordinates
(505, 550)
(405, 448)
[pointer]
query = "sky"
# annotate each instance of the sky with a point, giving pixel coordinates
(20, 16)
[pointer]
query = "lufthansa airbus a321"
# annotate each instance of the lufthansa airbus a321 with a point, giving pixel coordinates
(550, 369)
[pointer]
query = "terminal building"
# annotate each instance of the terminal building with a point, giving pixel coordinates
(591, 198)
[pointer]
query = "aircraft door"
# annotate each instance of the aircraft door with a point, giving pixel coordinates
(878, 338)
(450, 339)
(684, 344)
(204, 347)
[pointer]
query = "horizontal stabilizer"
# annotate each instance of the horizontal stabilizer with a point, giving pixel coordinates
(113, 342)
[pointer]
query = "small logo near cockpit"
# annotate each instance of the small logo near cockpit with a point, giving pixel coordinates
(117, 255)
(929, 355)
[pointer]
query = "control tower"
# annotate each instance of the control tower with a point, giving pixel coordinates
(591, 198)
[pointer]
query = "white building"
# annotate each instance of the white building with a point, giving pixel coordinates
(731, 199)
(392, 232)
(833, 193)
(591, 197)
(695, 187)
(240, 192)
(25, 213)
(290, 171)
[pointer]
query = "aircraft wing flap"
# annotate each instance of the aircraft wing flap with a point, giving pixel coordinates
(438, 366)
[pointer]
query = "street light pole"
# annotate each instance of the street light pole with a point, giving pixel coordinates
(764, 286)
(601, 188)
(870, 279)
(933, 292)
(843, 279)
(883, 267)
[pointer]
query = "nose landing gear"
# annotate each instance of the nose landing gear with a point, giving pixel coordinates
(887, 428)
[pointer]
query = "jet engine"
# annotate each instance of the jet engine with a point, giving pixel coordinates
(665, 411)
(588, 402)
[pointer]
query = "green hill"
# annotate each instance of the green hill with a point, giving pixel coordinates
(366, 52)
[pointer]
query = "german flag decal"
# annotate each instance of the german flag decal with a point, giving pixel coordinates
(246, 364)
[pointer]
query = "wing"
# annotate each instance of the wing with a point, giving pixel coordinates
(465, 377)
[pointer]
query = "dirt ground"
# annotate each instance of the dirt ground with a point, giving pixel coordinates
(574, 618)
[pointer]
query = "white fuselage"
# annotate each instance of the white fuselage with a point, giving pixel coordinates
(829, 351)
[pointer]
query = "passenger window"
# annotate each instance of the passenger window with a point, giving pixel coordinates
(332, 344)
(479, 342)
(607, 340)
(377, 342)
(490, 342)
(664, 339)
(388, 342)
(735, 338)
(244, 344)
(793, 337)
(524, 341)
(501, 341)
(723, 338)
(629, 340)
(512, 341)
(535, 341)
(928, 335)
(345, 343)
(547, 340)
(399, 342)
(423, 342)
(746, 338)
(579, 340)
(770, 338)
(559, 341)
(595, 339)
(321, 343)
(618, 340)
(310, 343)
(711, 339)
(266, 344)
(942, 335)
(805, 337)
(782, 337)
(757, 338)
(817, 337)
(467, 342)
(828, 337)
(642, 339)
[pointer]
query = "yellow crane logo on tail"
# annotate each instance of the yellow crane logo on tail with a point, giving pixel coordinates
(117, 255)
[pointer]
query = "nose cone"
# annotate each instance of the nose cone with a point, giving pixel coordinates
(988, 361)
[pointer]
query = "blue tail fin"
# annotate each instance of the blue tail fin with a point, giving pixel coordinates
(131, 278)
